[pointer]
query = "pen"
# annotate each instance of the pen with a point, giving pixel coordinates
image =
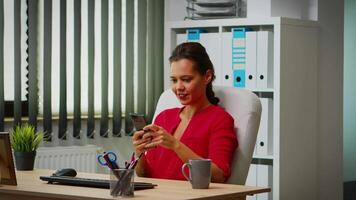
(133, 156)
(134, 163)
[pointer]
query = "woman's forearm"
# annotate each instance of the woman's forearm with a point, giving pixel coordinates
(140, 167)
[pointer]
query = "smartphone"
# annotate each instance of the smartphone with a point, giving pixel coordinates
(138, 120)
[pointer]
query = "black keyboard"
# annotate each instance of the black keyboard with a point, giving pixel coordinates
(88, 182)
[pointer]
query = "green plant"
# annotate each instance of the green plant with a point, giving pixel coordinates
(24, 138)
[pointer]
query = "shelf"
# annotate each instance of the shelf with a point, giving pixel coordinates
(225, 23)
(222, 22)
(265, 160)
(263, 90)
(256, 90)
(268, 157)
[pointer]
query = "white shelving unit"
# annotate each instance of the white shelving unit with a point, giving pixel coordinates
(293, 163)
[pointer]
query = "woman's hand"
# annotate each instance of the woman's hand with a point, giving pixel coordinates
(160, 137)
(139, 142)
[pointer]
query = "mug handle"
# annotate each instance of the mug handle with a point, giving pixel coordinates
(184, 174)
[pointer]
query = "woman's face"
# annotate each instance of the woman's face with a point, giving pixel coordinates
(188, 85)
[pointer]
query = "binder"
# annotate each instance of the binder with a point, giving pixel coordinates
(181, 38)
(252, 180)
(251, 59)
(233, 57)
(264, 59)
(194, 35)
(264, 143)
(226, 54)
(190, 35)
(264, 179)
(211, 44)
(239, 56)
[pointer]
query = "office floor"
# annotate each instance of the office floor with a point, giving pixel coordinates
(349, 190)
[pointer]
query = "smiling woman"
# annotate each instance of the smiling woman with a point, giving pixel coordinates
(192, 58)
(199, 130)
(186, 82)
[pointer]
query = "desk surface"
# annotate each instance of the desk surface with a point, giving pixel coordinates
(31, 187)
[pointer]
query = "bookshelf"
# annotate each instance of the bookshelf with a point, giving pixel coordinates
(290, 166)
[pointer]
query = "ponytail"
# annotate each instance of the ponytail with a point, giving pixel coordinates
(211, 95)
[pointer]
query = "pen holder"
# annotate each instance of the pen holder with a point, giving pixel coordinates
(122, 182)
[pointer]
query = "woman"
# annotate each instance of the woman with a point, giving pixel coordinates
(200, 129)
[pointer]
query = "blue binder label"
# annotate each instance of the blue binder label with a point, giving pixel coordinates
(193, 35)
(239, 78)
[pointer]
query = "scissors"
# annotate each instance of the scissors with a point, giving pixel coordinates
(108, 159)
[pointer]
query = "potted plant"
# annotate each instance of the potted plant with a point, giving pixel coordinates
(24, 141)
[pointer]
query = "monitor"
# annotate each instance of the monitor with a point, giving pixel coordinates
(7, 168)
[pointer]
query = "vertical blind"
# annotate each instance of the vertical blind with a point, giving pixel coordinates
(91, 46)
(86, 60)
(32, 62)
(12, 58)
(47, 68)
(77, 72)
(104, 68)
(117, 69)
(62, 124)
(17, 61)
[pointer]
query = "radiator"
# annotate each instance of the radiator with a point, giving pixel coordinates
(80, 158)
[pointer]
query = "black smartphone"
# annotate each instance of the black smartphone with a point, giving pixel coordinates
(138, 120)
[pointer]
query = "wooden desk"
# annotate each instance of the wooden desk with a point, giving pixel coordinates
(31, 187)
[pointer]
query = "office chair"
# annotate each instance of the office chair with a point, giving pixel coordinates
(245, 107)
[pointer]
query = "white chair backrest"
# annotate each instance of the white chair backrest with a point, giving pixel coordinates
(245, 107)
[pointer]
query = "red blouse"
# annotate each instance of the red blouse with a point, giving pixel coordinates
(210, 134)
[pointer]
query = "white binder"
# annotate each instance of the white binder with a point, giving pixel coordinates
(264, 143)
(212, 45)
(226, 54)
(252, 179)
(264, 59)
(251, 59)
(264, 179)
(181, 37)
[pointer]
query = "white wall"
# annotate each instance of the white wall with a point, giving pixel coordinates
(174, 10)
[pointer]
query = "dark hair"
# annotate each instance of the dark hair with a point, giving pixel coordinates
(195, 52)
